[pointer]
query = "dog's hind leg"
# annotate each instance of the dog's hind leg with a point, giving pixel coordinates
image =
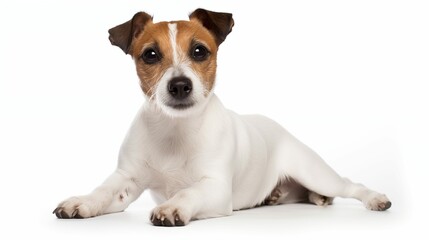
(290, 191)
(308, 169)
(296, 161)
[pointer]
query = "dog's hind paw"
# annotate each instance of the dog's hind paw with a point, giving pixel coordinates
(379, 202)
(274, 197)
(319, 200)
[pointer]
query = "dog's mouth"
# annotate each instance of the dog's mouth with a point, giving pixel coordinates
(180, 106)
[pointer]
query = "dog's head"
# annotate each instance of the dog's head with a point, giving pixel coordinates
(175, 61)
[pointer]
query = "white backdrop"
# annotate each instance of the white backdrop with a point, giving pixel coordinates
(348, 78)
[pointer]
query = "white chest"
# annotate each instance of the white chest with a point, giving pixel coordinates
(170, 175)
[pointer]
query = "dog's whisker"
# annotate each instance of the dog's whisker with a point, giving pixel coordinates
(152, 90)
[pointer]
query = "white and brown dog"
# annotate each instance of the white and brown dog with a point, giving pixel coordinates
(199, 159)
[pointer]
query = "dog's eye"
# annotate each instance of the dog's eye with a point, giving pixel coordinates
(150, 56)
(199, 53)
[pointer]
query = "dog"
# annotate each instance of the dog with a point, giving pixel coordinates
(199, 159)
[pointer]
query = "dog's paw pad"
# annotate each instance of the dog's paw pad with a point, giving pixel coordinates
(379, 203)
(319, 200)
(60, 213)
(274, 197)
(168, 216)
(73, 208)
(160, 220)
(178, 221)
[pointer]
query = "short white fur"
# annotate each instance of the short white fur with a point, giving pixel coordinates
(172, 29)
(208, 161)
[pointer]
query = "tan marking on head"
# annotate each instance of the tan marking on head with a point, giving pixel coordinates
(158, 34)
(154, 35)
(189, 33)
(174, 42)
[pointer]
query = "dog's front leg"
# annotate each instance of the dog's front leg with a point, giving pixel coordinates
(207, 198)
(114, 195)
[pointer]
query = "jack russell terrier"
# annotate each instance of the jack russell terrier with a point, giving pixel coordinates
(199, 159)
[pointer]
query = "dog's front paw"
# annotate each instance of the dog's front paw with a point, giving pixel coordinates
(76, 207)
(169, 216)
(378, 202)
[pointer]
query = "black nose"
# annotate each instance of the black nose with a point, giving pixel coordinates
(180, 87)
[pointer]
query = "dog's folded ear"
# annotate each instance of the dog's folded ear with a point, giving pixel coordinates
(218, 23)
(123, 34)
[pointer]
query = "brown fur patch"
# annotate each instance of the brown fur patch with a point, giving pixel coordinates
(149, 74)
(192, 31)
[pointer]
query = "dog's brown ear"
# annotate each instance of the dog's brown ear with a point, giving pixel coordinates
(218, 23)
(123, 34)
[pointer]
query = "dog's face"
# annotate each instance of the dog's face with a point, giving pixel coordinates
(175, 61)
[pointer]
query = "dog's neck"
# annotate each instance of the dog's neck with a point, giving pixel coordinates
(163, 126)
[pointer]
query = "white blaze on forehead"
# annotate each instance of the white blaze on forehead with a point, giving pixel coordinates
(173, 33)
(181, 67)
